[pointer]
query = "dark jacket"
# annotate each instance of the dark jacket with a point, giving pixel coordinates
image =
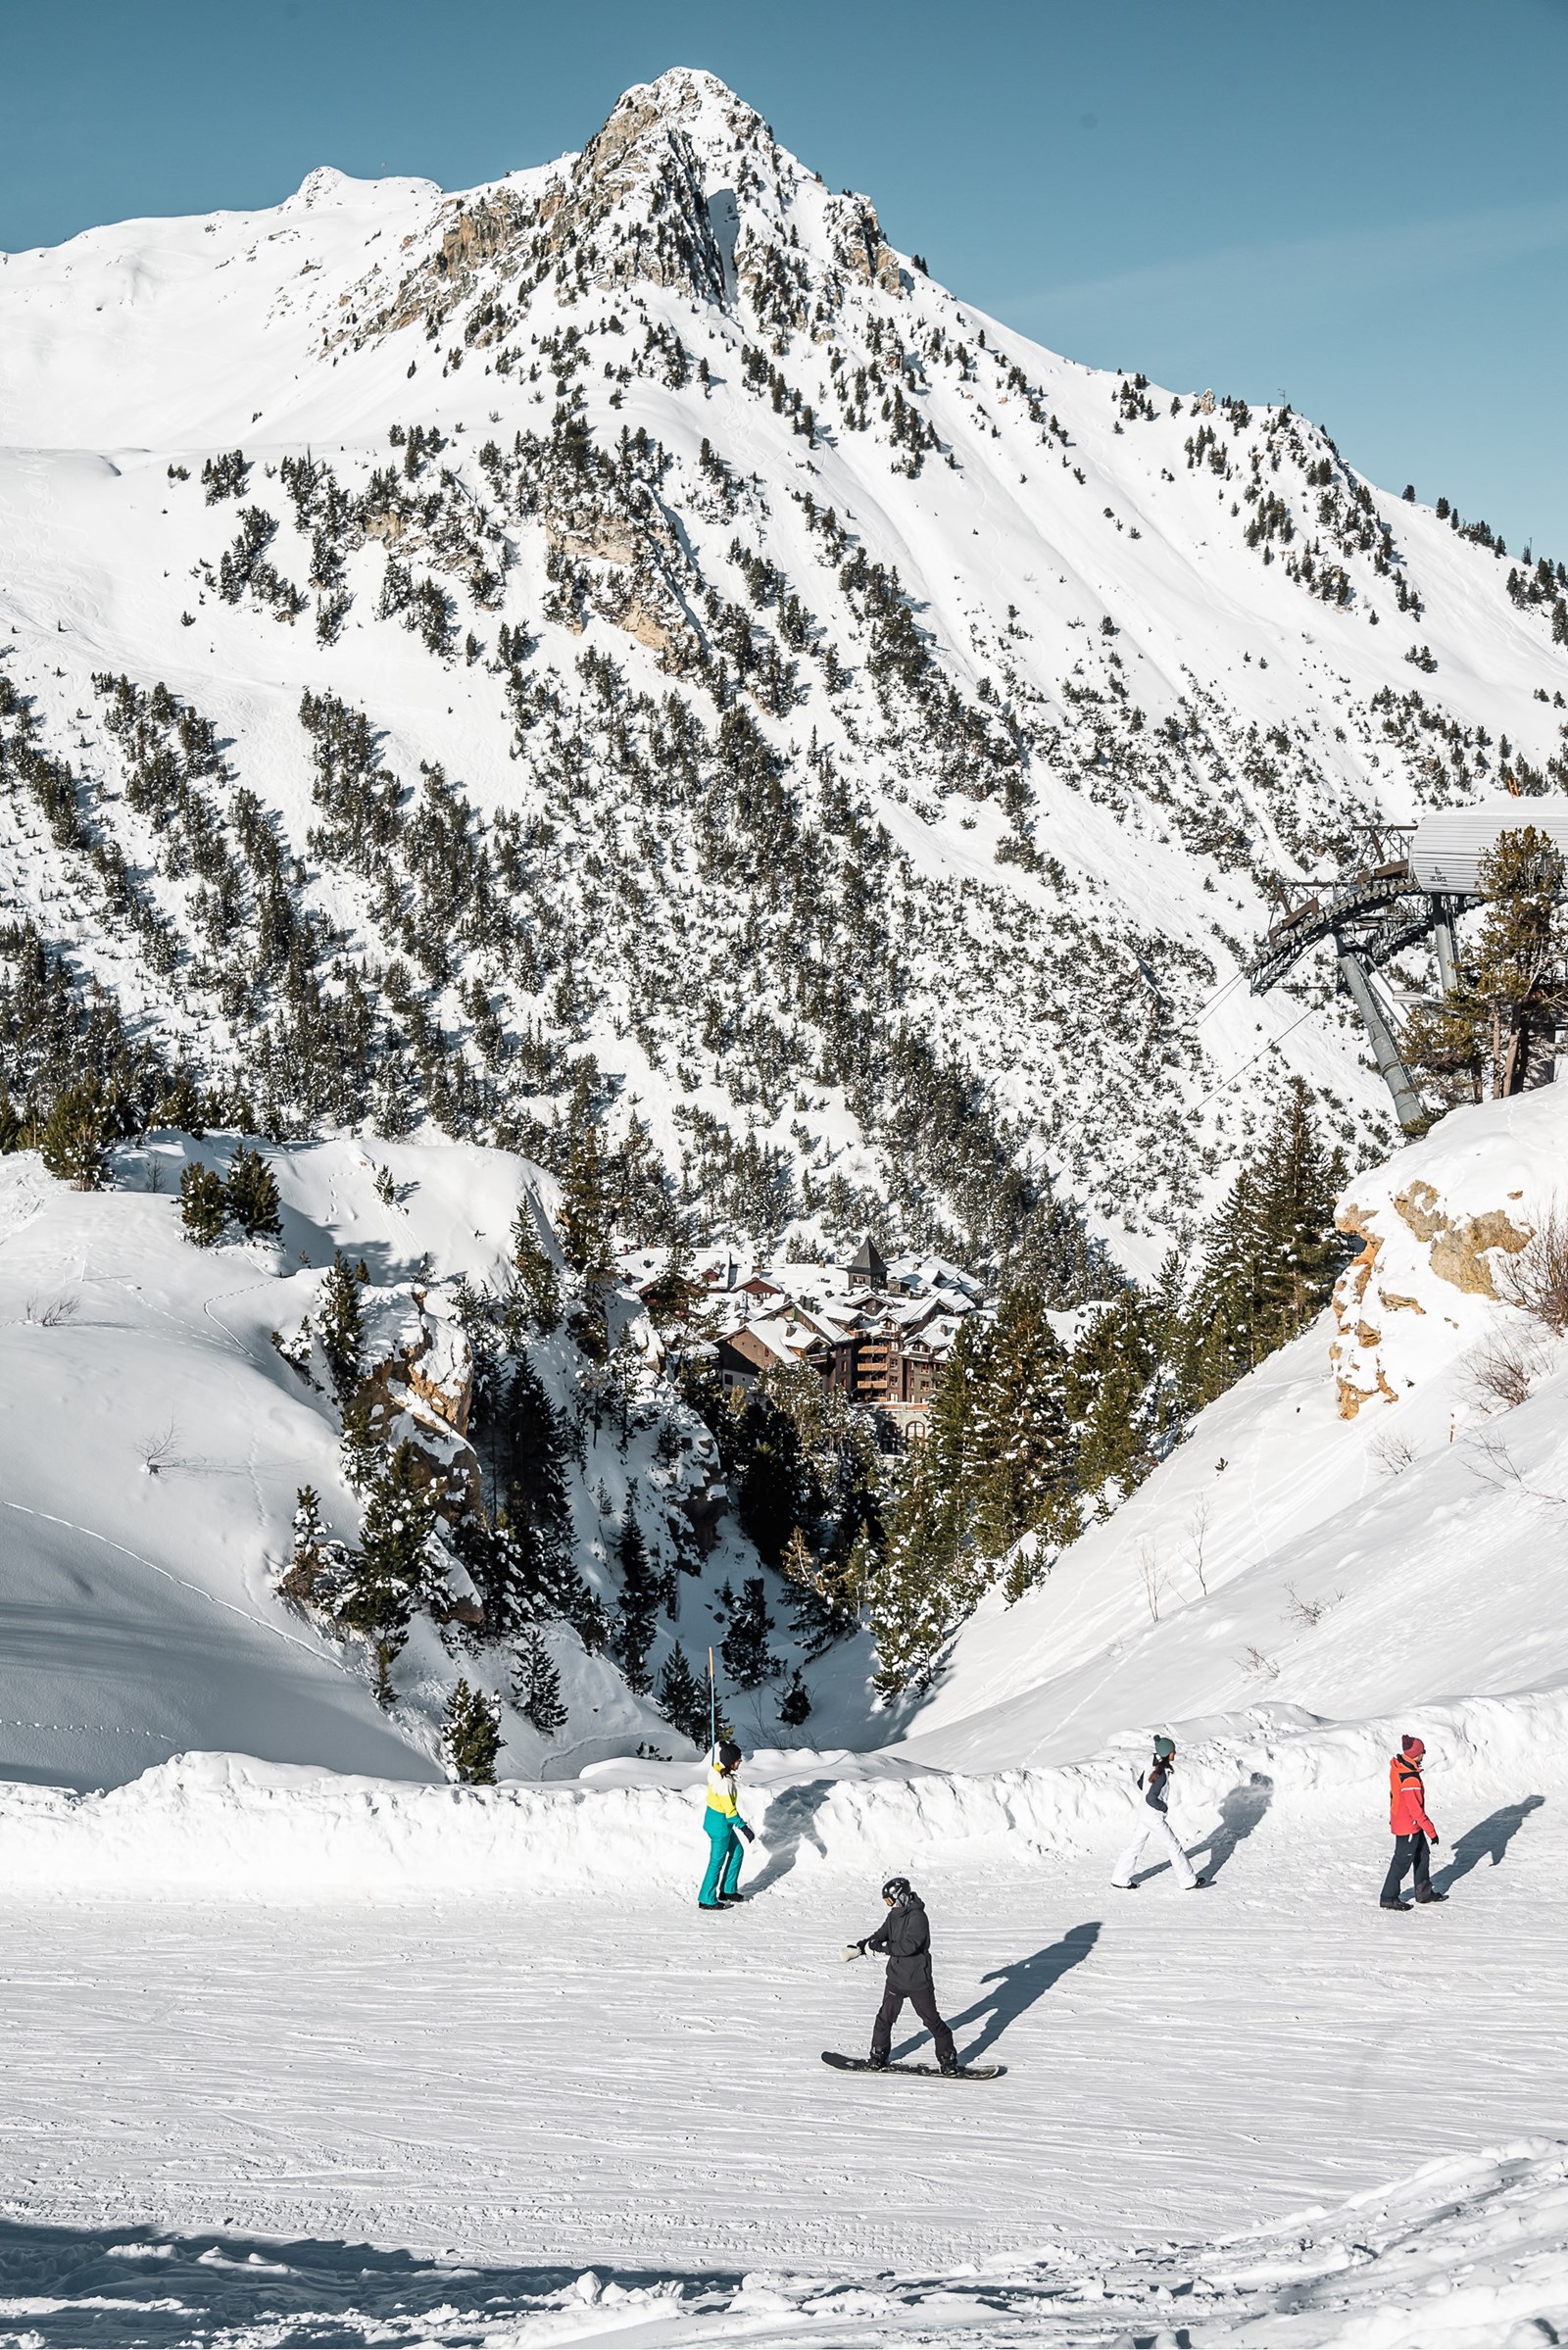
(1155, 1784)
(906, 1937)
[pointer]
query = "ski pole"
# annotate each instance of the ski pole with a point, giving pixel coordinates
(713, 1705)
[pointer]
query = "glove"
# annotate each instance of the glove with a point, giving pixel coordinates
(852, 1950)
(749, 1834)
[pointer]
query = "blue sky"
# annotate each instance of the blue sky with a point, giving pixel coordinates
(1363, 207)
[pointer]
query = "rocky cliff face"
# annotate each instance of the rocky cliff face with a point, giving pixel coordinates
(1439, 1225)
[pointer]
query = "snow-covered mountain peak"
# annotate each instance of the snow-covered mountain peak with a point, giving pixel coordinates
(746, 588)
(326, 187)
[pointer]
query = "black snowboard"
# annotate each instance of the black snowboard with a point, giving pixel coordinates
(859, 2064)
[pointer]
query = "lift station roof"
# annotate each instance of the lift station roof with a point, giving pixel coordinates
(1448, 845)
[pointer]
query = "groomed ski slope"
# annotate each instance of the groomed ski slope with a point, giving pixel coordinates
(234, 2097)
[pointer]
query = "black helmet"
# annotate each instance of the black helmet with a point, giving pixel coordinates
(729, 1754)
(898, 1888)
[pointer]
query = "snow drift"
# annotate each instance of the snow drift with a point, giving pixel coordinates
(227, 1828)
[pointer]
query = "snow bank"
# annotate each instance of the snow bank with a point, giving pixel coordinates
(228, 1827)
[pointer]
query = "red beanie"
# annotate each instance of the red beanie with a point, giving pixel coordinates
(1412, 1746)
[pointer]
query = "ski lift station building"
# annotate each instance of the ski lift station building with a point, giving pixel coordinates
(1448, 847)
(1416, 882)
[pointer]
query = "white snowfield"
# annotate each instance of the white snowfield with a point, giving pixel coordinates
(262, 2015)
(470, 2067)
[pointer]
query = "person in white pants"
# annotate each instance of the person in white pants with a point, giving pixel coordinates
(1154, 1828)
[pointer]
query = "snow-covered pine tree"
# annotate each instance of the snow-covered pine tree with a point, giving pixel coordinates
(538, 1283)
(392, 1562)
(340, 1327)
(73, 1139)
(536, 1686)
(1113, 1396)
(203, 1205)
(585, 1218)
(360, 1447)
(309, 1574)
(682, 1699)
(747, 1659)
(470, 1736)
(916, 1595)
(1273, 1254)
(1021, 1441)
(250, 1194)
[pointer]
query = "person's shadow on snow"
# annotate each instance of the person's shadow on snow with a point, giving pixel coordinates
(1239, 1812)
(1490, 1837)
(790, 1823)
(1018, 1986)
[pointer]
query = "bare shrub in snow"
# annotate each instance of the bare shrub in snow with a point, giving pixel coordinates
(1393, 1453)
(1306, 1614)
(156, 1451)
(1198, 1535)
(1258, 1664)
(1151, 1576)
(1505, 1368)
(50, 1313)
(1537, 1279)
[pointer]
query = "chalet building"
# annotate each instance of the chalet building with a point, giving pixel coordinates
(878, 1331)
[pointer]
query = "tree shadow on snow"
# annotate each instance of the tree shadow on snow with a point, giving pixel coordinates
(791, 1822)
(1018, 1986)
(1239, 1812)
(1489, 1839)
(109, 2288)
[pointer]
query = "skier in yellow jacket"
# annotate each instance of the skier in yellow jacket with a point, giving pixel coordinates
(725, 1828)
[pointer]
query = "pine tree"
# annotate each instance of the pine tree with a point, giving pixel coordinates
(585, 1217)
(915, 1602)
(311, 1567)
(1113, 1396)
(75, 1135)
(1273, 1254)
(360, 1450)
(795, 1706)
(682, 1699)
(1021, 1438)
(769, 1488)
(1299, 1181)
(532, 1573)
(638, 1613)
(1487, 1034)
(536, 1686)
(340, 1327)
(470, 1736)
(394, 1534)
(747, 1659)
(203, 1207)
(538, 1284)
(251, 1195)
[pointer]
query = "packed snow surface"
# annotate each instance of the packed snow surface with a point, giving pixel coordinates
(496, 2080)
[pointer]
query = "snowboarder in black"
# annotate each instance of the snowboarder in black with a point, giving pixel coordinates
(906, 1937)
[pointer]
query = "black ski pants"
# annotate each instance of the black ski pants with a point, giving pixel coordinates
(922, 1998)
(1409, 1852)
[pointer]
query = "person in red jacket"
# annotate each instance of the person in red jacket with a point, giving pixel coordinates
(1413, 1832)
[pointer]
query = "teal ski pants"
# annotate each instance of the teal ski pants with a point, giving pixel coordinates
(723, 1857)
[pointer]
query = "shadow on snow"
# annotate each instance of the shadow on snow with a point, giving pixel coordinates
(1018, 1986)
(139, 2288)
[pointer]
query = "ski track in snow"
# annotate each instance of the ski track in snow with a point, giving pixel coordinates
(611, 2080)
